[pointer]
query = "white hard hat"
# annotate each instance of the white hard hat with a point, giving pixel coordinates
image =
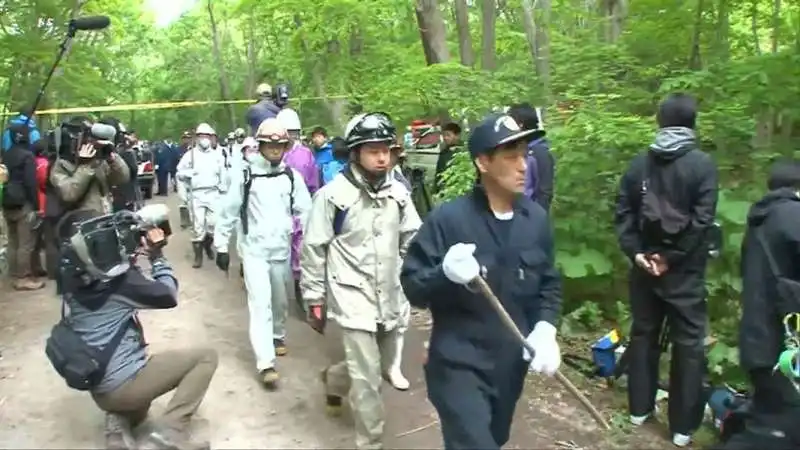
(272, 130)
(264, 89)
(249, 141)
(205, 128)
(290, 119)
(230, 135)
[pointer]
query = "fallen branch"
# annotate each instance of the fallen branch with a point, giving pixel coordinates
(509, 323)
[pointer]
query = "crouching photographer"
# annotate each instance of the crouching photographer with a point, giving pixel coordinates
(99, 345)
(87, 166)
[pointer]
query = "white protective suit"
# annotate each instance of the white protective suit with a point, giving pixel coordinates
(265, 248)
(204, 173)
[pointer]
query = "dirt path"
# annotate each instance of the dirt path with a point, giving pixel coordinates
(37, 410)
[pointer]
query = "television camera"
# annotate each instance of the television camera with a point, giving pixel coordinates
(105, 247)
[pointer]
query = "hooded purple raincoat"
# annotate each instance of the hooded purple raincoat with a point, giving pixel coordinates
(301, 159)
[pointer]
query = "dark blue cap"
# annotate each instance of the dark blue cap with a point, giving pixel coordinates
(493, 131)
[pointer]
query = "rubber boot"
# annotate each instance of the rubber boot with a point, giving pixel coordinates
(394, 374)
(208, 246)
(198, 254)
(186, 221)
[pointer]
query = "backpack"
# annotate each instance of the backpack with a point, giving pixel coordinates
(248, 183)
(14, 192)
(659, 220)
(80, 365)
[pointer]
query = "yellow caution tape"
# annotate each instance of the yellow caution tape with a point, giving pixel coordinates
(162, 105)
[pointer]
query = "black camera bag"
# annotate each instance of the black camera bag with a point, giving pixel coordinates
(82, 366)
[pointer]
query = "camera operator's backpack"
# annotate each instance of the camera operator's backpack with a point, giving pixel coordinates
(248, 183)
(82, 367)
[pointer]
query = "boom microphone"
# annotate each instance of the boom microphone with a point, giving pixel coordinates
(89, 23)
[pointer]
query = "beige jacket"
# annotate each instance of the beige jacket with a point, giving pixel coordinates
(358, 271)
(72, 181)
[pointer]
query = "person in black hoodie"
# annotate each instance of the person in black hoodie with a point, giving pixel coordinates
(666, 206)
(770, 289)
(20, 209)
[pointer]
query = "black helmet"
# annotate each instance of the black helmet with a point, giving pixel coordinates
(369, 127)
(281, 94)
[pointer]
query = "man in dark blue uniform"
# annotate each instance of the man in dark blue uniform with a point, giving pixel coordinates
(476, 370)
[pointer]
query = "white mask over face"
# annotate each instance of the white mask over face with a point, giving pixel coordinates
(204, 143)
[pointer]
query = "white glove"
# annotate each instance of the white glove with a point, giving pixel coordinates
(547, 354)
(459, 264)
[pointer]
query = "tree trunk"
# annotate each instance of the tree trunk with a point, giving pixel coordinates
(464, 36)
(723, 44)
(776, 24)
(529, 25)
(252, 57)
(224, 84)
(695, 62)
(488, 37)
(754, 26)
(433, 33)
(543, 47)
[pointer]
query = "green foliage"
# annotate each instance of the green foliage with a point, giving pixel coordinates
(742, 60)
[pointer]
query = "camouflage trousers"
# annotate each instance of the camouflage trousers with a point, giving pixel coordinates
(359, 377)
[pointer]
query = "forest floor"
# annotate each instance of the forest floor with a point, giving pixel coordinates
(37, 410)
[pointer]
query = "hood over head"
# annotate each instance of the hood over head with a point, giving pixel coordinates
(673, 142)
(761, 209)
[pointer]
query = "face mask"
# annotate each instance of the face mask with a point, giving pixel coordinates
(204, 143)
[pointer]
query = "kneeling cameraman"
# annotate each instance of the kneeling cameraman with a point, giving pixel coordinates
(100, 347)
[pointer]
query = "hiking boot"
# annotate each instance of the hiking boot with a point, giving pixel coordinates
(208, 246)
(269, 378)
(198, 254)
(280, 347)
(118, 433)
(167, 439)
(333, 403)
(28, 284)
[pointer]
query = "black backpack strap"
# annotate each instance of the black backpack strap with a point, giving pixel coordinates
(773, 266)
(290, 173)
(248, 183)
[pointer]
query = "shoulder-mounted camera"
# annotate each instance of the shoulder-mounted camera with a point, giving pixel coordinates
(102, 247)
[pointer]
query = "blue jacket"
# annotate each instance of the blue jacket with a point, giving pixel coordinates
(518, 262)
(261, 111)
(540, 180)
(33, 136)
(330, 169)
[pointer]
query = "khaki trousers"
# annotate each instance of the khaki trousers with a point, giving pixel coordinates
(188, 372)
(359, 377)
(22, 240)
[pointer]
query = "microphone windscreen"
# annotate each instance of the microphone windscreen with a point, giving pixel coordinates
(103, 132)
(90, 23)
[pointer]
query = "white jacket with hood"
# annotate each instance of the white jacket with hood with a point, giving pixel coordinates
(271, 204)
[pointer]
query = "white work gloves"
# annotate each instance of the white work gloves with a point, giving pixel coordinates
(459, 264)
(547, 354)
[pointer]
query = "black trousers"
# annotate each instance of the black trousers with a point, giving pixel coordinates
(679, 298)
(475, 409)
